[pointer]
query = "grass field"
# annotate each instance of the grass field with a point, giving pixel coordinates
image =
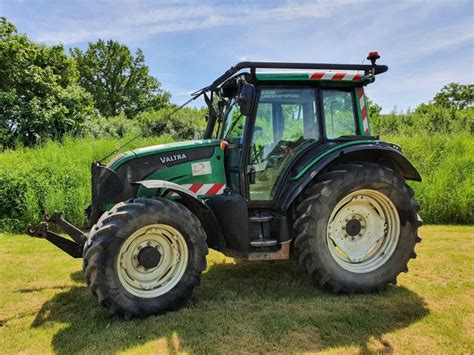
(245, 307)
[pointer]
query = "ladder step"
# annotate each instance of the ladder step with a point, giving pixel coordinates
(260, 219)
(263, 243)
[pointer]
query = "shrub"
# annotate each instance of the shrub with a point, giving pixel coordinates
(446, 164)
(188, 123)
(55, 176)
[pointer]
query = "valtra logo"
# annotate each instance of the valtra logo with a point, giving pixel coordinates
(172, 158)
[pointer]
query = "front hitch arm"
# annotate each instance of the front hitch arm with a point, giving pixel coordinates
(73, 248)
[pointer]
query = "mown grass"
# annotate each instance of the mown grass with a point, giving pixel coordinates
(244, 307)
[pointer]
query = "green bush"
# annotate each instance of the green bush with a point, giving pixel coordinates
(187, 123)
(53, 177)
(111, 127)
(446, 164)
(56, 176)
(426, 119)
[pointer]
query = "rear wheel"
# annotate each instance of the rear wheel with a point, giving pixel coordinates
(144, 257)
(356, 227)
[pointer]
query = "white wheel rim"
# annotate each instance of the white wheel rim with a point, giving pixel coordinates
(376, 240)
(156, 280)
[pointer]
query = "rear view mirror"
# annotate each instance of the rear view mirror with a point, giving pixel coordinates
(246, 99)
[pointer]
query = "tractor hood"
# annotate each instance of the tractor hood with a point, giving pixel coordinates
(168, 153)
(185, 163)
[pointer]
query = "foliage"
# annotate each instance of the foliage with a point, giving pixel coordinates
(111, 127)
(451, 111)
(455, 96)
(118, 81)
(446, 165)
(56, 176)
(53, 177)
(188, 123)
(39, 97)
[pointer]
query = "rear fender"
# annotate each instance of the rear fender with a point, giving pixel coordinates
(384, 154)
(215, 237)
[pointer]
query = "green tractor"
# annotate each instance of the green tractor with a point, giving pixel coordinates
(287, 167)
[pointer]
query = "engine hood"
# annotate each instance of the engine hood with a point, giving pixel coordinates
(168, 153)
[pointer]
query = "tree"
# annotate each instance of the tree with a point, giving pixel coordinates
(39, 95)
(117, 81)
(373, 109)
(455, 96)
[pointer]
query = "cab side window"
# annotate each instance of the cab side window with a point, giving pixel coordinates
(339, 113)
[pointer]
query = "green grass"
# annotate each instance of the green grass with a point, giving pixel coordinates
(56, 176)
(244, 307)
(446, 165)
(53, 177)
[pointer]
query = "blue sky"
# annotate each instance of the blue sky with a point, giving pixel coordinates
(188, 43)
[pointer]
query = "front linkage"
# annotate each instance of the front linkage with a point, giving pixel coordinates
(72, 247)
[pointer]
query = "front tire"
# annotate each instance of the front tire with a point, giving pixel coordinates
(144, 257)
(356, 228)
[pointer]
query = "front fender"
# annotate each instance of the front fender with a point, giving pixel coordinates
(215, 236)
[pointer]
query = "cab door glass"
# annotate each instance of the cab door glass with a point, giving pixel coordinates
(285, 123)
(233, 129)
(338, 111)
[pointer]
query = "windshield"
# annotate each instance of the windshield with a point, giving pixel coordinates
(231, 122)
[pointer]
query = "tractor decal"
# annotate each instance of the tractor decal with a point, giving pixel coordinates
(335, 76)
(363, 109)
(323, 75)
(205, 189)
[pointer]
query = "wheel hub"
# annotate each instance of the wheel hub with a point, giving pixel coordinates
(152, 260)
(363, 230)
(353, 227)
(149, 257)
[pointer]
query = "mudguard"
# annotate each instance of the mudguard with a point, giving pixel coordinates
(215, 236)
(382, 153)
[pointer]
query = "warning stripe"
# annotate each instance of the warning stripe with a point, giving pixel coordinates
(205, 189)
(335, 76)
(363, 109)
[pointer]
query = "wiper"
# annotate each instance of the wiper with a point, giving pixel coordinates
(232, 126)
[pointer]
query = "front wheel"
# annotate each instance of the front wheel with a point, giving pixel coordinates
(356, 227)
(144, 257)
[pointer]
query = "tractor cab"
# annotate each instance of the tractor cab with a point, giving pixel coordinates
(273, 126)
(286, 114)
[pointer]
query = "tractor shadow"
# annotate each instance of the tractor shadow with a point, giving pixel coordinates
(246, 307)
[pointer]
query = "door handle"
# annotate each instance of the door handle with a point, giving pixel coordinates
(251, 174)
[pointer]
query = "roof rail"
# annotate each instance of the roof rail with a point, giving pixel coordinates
(367, 68)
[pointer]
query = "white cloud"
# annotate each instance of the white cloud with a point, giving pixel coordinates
(134, 22)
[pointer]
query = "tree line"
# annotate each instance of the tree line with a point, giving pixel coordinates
(450, 111)
(105, 90)
(46, 93)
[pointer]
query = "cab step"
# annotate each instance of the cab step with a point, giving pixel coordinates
(261, 243)
(260, 219)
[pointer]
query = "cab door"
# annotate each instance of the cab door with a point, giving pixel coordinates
(285, 123)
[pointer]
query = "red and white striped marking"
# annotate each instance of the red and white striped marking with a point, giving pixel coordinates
(363, 109)
(205, 189)
(335, 76)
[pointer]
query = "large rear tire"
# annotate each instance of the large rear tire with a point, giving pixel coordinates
(144, 257)
(356, 228)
